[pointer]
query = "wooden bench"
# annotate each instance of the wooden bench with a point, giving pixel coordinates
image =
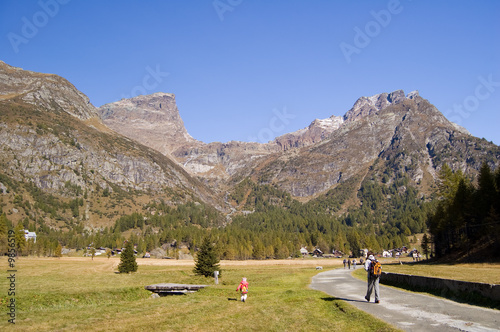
(173, 289)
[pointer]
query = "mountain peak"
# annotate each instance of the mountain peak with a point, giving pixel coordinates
(46, 90)
(151, 97)
(151, 119)
(366, 106)
(320, 129)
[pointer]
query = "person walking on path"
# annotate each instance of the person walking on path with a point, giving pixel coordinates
(345, 262)
(243, 288)
(354, 263)
(349, 263)
(373, 280)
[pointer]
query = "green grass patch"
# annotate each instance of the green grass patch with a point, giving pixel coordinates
(81, 294)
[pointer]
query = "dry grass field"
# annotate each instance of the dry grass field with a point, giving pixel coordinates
(480, 272)
(78, 294)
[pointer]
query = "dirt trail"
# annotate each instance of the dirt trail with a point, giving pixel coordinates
(406, 310)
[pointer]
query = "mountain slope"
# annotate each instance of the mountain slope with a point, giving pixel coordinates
(48, 91)
(53, 140)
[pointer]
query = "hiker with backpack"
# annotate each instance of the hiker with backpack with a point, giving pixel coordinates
(243, 288)
(374, 269)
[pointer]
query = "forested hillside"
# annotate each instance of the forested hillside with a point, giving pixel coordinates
(466, 222)
(275, 226)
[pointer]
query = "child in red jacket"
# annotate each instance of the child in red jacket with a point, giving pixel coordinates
(243, 288)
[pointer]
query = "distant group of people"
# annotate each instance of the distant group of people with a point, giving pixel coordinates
(417, 256)
(348, 263)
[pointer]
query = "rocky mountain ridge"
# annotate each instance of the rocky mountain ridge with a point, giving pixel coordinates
(55, 139)
(143, 118)
(219, 164)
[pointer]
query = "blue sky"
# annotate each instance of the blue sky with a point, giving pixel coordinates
(252, 70)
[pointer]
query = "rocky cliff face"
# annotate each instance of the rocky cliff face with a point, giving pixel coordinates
(153, 120)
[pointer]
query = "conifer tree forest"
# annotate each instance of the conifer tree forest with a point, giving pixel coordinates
(271, 224)
(467, 217)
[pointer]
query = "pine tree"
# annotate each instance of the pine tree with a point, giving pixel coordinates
(207, 260)
(58, 252)
(258, 250)
(425, 245)
(20, 238)
(127, 259)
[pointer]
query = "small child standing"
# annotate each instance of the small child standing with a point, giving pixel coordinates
(243, 288)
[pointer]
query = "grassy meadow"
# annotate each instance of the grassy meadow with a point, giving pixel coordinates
(73, 293)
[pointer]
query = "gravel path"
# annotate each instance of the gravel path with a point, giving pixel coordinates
(406, 310)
